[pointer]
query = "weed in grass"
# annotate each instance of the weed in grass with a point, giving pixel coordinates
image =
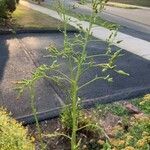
(143, 103)
(137, 137)
(119, 110)
(82, 2)
(78, 62)
(114, 108)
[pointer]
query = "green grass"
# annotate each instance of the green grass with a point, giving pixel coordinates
(26, 18)
(134, 2)
(114, 108)
(142, 103)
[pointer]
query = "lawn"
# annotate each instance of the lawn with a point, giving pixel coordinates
(26, 18)
(134, 2)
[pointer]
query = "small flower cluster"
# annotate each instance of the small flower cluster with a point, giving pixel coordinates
(145, 104)
(136, 138)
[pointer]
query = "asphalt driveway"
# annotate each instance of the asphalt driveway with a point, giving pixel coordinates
(21, 54)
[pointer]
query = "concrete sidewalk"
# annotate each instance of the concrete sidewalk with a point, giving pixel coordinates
(132, 44)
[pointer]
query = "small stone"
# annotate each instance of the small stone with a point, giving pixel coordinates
(84, 147)
(140, 115)
(101, 142)
(92, 141)
(131, 108)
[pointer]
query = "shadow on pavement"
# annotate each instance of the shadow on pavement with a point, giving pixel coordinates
(29, 48)
(16, 65)
(4, 56)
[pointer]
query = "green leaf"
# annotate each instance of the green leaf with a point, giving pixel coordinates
(110, 79)
(119, 41)
(122, 72)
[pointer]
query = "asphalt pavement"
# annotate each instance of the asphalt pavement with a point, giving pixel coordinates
(22, 53)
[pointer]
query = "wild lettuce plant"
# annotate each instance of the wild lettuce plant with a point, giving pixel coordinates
(78, 63)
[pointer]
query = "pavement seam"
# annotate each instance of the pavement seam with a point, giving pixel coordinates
(30, 55)
(59, 99)
(28, 52)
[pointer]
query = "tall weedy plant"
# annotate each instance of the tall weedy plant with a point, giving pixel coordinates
(78, 62)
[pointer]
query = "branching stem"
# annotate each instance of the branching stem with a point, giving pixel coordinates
(91, 81)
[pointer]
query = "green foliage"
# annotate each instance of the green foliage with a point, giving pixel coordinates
(106, 146)
(86, 123)
(13, 136)
(77, 62)
(136, 138)
(143, 103)
(11, 5)
(114, 108)
(3, 9)
(66, 120)
(133, 132)
(82, 2)
(17, 1)
(119, 110)
(6, 8)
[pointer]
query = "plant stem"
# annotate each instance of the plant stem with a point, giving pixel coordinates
(74, 90)
(91, 81)
(74, 115)
(33, 107)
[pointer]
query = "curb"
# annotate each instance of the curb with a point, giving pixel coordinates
(119, 96)
(54, 113)
(22, 31)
